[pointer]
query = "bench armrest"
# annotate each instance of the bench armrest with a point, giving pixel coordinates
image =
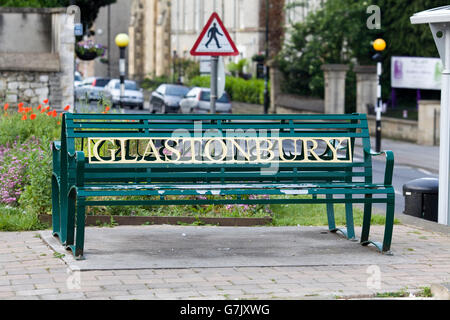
(56, 151)
(79, 159)
(389, 164)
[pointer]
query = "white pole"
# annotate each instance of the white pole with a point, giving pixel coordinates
(444, 158)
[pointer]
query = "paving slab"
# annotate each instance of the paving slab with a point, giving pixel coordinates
(173, 247)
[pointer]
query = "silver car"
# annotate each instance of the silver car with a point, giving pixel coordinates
(133, 96)
(197, 100)
(91, 88)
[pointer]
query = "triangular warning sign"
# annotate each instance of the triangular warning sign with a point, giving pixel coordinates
(214, 40)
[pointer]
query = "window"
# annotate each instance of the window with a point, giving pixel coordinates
(206, 96)
(129, 85)
(176, 91)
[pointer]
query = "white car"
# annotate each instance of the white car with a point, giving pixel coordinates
(197, 100)
(91, 88)
(77, 79)
(133, 96)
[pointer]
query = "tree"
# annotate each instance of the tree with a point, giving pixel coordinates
(338, 33)
(89, 8)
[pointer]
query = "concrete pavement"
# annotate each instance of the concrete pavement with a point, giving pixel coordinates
(29, 269)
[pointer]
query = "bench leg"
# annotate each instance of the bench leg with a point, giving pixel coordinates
(56, 209)
(77, 213)
(71, 211)
(366, 219)
(330, 214)
(384, 247)
(388, 229)
(349, 218)
(81, 220)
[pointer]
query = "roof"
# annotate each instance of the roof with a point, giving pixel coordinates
(435, 15)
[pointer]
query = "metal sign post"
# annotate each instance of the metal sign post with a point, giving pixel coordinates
(213, 95)
(214, 41)
(439, 21)
(379, 45)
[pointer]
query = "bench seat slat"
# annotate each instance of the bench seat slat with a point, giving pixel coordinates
(276, 190)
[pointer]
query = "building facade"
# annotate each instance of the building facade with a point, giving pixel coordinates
(162, 29)
(150, 47)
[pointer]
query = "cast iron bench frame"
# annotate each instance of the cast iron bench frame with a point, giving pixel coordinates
(74, 179)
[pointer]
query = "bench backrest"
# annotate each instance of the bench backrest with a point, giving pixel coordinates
(140, 148)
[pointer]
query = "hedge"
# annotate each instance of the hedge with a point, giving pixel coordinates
(250, 91)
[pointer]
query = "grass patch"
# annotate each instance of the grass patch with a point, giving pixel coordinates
(15, 219)
(396, 294)
(316, 215)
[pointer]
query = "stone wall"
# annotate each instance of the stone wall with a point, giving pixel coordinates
(394, 128)
(27, 87)
(29, 75)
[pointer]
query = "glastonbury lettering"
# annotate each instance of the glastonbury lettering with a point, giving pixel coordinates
(232, 150)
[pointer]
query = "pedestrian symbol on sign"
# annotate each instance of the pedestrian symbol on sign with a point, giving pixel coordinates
(212, 35)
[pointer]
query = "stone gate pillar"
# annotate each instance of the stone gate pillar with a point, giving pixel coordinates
(334, 76)
(366, 87)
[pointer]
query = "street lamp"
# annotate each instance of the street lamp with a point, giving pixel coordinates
(122, 41)
(379, 45)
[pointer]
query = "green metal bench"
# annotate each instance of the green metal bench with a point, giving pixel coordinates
(140, 159)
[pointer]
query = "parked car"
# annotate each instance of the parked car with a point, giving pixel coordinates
(133, 96)
(197, 100)
(77, 79)
(91, 88)
(166, 98)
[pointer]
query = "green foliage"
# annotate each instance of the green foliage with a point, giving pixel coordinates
(237, 68)
(338, 33)
(37, 194)
(315, 215)
(89, 9)
(15, 219)
(249, 91)
(153, 83)
(15, 129)
(27, 159)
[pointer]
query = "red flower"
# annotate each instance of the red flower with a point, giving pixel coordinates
(107, 108)
(33, 116)
(39, 107)
(6, 106)
(45, 101)
(67, 108)
(20, 105)
(24, 117)
(54, 113)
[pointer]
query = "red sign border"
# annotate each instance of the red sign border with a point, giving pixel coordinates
(202, 34)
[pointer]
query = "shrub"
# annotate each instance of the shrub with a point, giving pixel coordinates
(25, 156)
(249, 91)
